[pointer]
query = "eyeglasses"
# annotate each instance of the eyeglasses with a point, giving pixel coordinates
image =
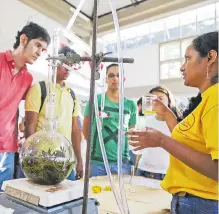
(111, 76)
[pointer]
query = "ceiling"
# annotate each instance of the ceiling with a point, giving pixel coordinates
(104, 8)
(128, 13)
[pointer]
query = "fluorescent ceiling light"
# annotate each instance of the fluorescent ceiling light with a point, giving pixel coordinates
(75, 39)
(80, 15)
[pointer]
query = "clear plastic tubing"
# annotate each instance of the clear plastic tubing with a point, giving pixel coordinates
(99, 125)
(121, 107)
(105, 159)
(75, 14)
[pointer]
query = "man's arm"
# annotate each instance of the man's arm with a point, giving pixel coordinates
(32, 106)
(76, 144)
(31, 119)
(16, 125)
(85, 127)
(26, 92)
(86, 121)
(76, 139)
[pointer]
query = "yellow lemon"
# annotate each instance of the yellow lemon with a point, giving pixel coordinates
(96, 189)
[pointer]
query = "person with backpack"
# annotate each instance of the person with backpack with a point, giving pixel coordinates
(66, 109)
(15, 81)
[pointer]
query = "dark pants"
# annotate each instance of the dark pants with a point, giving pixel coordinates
(152, 175)
(190, 204)
(132, 158)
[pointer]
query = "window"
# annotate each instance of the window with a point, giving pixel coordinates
(169, 51)
(157, 26)
(111, 48)
(157, 31)
(206, 26)
(131, 43)
(188, 30)
(217, 9)
(144, 40)
(188, 17)
(206, 12)
(171, 58)
(184, 44)
(157, 37)
(188, 23)
(143, 29)
(164, 71)
(129, 33)
(175, 27)
(170, 70)
(109, 38)
(174, 70)
(172, 31)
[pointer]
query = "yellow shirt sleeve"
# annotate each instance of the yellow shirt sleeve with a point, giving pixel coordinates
(33, 99)
(210, 131)
(76, 108)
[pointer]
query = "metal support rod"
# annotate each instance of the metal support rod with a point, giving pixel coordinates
(91, 113)
(77, 58)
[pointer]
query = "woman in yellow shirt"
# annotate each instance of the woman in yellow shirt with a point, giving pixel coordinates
(192, 176)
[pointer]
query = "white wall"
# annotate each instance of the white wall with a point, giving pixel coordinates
(13, 16)
(176, 86)
(145, 69)
(144, 74)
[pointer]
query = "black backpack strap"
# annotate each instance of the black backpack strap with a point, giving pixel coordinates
(43, 93)
(73, 97)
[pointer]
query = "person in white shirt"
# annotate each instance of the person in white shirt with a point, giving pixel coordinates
(153, 162)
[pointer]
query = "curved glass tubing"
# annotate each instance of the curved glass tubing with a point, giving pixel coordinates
(56, 59)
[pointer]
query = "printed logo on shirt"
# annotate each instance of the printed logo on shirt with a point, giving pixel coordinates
(187, 123)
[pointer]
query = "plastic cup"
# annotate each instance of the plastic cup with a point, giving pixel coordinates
(147, 104)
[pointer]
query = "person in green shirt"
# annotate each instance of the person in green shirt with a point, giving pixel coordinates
(110, 126)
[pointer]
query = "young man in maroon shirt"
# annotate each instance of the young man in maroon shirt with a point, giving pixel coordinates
(15, 81)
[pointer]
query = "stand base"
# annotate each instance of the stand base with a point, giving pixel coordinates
(41, 195)
(9, 205)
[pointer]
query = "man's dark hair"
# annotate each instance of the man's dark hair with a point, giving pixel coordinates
(139, 102)
(110, 66)
(66, 50)
(33, 31)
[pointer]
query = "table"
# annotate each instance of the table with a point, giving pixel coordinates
(144, 196)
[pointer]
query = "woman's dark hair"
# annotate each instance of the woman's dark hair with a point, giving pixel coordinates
(171, 101)
(203, 44)
(193, 103)
(32, 31)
